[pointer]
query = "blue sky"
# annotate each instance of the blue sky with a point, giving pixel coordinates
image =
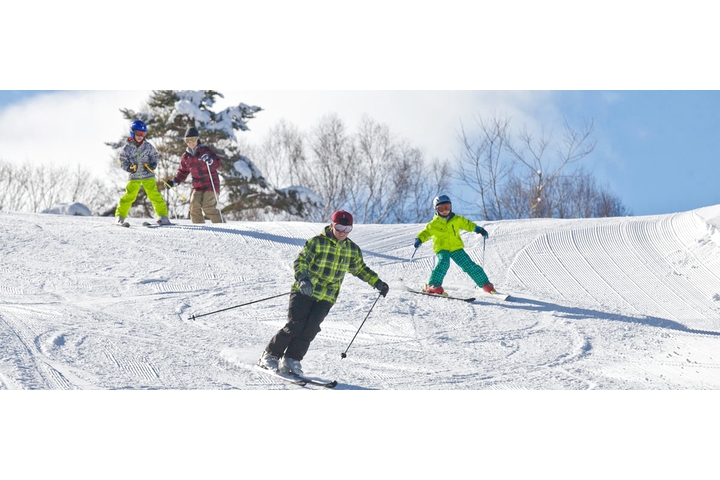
(656, 150)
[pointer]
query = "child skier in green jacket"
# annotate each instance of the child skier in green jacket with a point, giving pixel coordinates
(445, 229)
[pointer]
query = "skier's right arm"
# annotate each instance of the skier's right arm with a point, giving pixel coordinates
(301, 265)
(125, 162)
(424, 235)
(182, 173)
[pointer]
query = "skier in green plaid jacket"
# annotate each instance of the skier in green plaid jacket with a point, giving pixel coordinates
(319, 272)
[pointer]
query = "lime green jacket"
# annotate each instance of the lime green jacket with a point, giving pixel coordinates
(325, 260)
(445, 232)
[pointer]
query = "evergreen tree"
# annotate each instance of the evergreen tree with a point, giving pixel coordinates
(244, 192)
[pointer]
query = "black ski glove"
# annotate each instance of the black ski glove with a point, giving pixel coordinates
(418, 242)
(383, 287)
(305, 286)
(481, 231)
(170, 183)
(207, 159)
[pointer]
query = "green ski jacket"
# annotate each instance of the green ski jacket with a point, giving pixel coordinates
(446, 232)
(325, 260)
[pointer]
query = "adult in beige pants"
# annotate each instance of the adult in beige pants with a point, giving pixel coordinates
(201, 163)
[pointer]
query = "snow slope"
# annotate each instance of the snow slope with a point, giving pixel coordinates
(619, 303)
(600, 304)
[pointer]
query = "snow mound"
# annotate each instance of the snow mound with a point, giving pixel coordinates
(710, 214)
(69, 209)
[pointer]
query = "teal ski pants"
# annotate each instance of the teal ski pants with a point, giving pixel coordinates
(463, 260)
(131, 192)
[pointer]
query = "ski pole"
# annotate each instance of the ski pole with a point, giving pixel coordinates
(413, 255)
(217, 202)
(193, 316)
(166, 184)
(483, 257)
(344, 354)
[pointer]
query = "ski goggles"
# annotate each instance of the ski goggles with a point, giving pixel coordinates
(138, 133)
(191, 139)
(444, 208)
(343, 228)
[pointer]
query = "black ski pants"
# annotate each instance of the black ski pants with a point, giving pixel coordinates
(305, 315)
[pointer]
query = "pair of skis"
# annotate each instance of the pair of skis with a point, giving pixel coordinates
(144, 224)
(297, 379)
(499, 296)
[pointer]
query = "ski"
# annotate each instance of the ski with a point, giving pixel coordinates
(501, 296)
(124, 224)
(297, 379)
(420, 292)
(498, 295)
(317, 382)
(153, 225)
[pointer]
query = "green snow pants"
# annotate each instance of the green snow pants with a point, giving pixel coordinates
(131, 192)
(463, 260)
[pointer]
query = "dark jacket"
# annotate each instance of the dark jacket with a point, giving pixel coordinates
(191, 164)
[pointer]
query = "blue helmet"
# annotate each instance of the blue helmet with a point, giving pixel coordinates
(137, 125)
(441, 200)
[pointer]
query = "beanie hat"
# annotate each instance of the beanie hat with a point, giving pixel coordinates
(191, 132)
(342, 217)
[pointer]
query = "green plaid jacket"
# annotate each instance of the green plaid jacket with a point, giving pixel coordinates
(325, 260)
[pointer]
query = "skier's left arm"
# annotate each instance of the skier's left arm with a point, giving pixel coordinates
(126, 162)
(363, 272)
(466, 224)
(209, 157)
(152, 157)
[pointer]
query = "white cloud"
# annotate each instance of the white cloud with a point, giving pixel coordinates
(66, 128)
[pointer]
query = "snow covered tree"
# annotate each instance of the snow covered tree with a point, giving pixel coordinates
(244, 192)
